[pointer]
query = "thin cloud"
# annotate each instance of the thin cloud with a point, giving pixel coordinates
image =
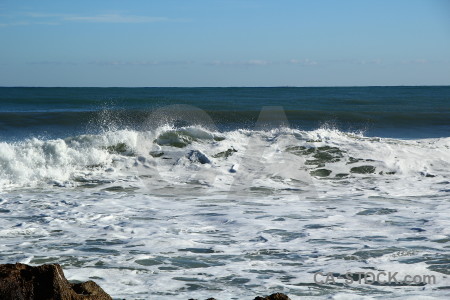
(140, 63)
(111, 63)
(251, 62)
(369, 62)
(376, 61)
(99, 18)
(43, 15)
(52, 63)
(416, 62)
(259, 62)
(303, 62)
(115, 18)
(14, 24)
(37, 18)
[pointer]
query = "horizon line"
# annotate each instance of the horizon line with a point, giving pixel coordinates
(269, 86)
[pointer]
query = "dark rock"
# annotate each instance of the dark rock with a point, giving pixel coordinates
(225, 154)
(341, 175)
(45, 282)
(418, 229)
(276, 296)
(320, 172)
(198, 156)
(156, 153)
(363, 170)
(233, 169)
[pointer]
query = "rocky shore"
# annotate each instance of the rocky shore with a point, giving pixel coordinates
(47, 282)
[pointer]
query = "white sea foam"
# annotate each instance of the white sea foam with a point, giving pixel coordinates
(159, 214)
(117, 155)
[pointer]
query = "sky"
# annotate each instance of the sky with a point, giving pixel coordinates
(202, 43)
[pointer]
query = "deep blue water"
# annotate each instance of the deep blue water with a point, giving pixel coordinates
(400, 112)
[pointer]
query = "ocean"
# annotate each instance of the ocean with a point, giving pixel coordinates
(157, 193)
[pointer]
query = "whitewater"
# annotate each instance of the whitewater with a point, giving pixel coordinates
(231, 193)
(189, 212)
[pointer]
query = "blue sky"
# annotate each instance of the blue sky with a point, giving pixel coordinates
(224, 43)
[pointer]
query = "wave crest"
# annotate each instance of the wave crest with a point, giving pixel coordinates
(165, 155)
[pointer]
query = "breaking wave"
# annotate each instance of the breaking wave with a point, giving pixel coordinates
(168, 156)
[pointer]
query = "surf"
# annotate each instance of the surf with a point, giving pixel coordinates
(178, 154)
